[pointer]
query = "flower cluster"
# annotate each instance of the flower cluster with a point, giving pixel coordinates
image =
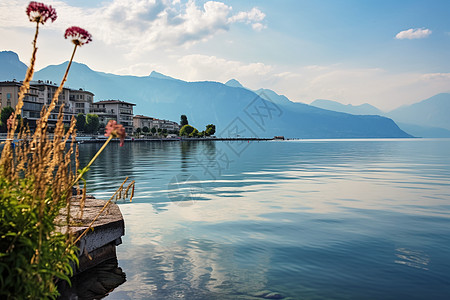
(40, 13)
(116, 130)
(78, 35)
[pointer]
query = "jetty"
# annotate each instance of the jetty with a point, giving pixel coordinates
(98, 272)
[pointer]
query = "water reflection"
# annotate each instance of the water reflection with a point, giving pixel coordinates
(96, 283)
(307, 219)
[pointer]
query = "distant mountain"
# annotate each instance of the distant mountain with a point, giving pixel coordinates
(363, 109)
(428, 118)
(273, 96)
(234, 111)
(432, 112)
(11, 67)
(155, 74)
(234, 83)
(425, 131)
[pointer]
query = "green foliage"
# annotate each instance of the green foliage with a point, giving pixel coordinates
(210, 129)
(6, 112)
(194, 133)
(145, 129)
(187, 130)
(153, 130)
(184, 120)
(92, 123)
(28, 267)
(138, 130)
(81, 122)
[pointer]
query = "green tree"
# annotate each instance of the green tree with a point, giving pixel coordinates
(145, 129)
(92, 123)
(138, 130)
(5, 114)
(184, 120)
(194, 133)
(153, 130)
(81, 122)
(187, 130)
(210, 129)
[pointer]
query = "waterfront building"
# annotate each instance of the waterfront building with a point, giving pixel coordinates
(140, 121)
(165, 124)
(32, 105)
(41, 93)
(118, 110)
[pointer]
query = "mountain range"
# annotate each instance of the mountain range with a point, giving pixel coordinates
(234, 109)
(427, 118)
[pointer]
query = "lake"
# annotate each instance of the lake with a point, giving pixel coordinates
(306, 219)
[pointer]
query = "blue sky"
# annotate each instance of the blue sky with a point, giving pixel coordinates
(386, 53)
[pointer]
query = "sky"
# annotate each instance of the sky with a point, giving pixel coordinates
(385, 53)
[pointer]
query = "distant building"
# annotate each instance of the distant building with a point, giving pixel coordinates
(140, 121)
(82, 101)
(46, 91)
(165, 124)
(32, 105)
(118, 110)
(40, 94)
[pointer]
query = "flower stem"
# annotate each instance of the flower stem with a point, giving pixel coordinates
(85, 169)
(52, 105)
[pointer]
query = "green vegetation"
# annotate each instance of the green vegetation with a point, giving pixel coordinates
(190, 131)
(37, 175)
(210, 129)
(184, 120)
(81, 122)
(187, 130)
(92, 123)
(5, 114)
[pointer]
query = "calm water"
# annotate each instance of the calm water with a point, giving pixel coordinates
(342, 219)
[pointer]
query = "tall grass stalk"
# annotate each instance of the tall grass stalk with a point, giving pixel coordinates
(36, 182)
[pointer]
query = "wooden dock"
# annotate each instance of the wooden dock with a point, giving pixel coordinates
(99, 244)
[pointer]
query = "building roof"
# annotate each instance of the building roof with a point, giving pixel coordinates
(143, 117)
(113, 102)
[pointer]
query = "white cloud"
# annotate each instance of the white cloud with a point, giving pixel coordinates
(413, 33)
(203, 67)
(140, 25)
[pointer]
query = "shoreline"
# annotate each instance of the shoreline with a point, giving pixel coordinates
(101, 140)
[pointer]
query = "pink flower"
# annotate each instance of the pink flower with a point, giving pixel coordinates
(78, 35)
(116, 130)
(40, 13)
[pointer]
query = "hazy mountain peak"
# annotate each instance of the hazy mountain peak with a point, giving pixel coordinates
(9, 55)
(234, 83)
(363, 109)
(11, 67)
(155, 74)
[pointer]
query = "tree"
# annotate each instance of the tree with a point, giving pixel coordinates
(138, 130)
(5, 114)
(81, 122)
(153, 130)
(92, 123)
(184, 120)
(194, 133)
(187, 130)
(210, 129)
(145, 129)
